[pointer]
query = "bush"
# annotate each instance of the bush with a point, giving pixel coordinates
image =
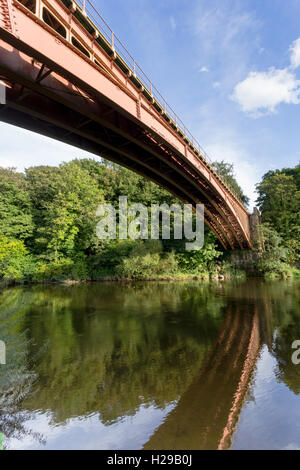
(274, 258)
(269, 267)
(61, 269)
(293, 251)
(146, 259)
(13, 258)
(198, 261)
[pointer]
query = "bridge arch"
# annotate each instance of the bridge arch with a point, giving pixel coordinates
(76, 87)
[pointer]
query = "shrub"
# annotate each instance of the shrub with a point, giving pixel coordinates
(146, 260)
(13, 254)
(274, 259)
(203, 260)
(61, 269)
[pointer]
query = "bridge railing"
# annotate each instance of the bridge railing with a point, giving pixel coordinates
(103, 27)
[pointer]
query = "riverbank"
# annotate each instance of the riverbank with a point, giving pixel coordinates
(113, 278)
(179, 277)
(293, 273)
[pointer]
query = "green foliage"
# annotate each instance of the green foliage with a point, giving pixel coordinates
(274, 258)
(65, 200)
(146, 259)
(279, 202)
(200, 260)
(115, 181)
(108, 256)
(13, 254)
(292, 246)
(61, 269)
(52, 211)
(50, 214)
(15, 205)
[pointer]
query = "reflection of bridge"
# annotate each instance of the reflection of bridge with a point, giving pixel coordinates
(206, 415)
(74, 81)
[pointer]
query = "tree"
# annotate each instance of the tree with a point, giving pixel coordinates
(275, 255)
(13, 254)
(65, 211)
(15, 205)
(279, 202)
(116, 181)
(200, 260)
(53, 210)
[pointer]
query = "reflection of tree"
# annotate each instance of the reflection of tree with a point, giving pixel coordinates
(279, 308)
(206, 414)
(16, 376)
(111, 353)
(278, 304)
(113, 347)
(286, 324)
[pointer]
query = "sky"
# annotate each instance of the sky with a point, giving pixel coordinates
(229, 68)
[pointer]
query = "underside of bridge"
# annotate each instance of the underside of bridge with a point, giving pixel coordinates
(51, 98)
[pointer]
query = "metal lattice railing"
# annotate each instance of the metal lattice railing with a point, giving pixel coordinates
(104, 29)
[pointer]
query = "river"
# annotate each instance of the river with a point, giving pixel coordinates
(178, 365)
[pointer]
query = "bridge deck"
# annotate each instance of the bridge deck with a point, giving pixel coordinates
(67, 81)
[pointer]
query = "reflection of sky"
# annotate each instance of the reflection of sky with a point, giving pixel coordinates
(271, 420)
(128, 433)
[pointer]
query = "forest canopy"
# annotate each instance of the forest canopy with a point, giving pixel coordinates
(48, 225)
(279, 203)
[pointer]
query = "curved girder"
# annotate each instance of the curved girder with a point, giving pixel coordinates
(56, 90)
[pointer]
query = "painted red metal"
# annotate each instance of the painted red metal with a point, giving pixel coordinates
(91, 98)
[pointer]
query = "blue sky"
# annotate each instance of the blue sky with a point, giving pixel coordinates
(229, 68)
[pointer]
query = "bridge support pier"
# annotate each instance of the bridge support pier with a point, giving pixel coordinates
(247, 259)
(255, 232)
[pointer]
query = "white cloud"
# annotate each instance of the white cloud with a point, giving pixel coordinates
(89, 432)
(295, 54)
(204, 69)
(261, 92)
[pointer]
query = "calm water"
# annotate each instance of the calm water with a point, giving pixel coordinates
(153, 366)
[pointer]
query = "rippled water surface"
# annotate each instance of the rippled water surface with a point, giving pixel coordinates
(151, 365)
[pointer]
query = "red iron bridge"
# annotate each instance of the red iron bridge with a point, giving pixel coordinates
(69, 77)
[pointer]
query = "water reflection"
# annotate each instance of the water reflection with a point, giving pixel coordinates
(158, 365)
(16, 376)
(206, 414)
